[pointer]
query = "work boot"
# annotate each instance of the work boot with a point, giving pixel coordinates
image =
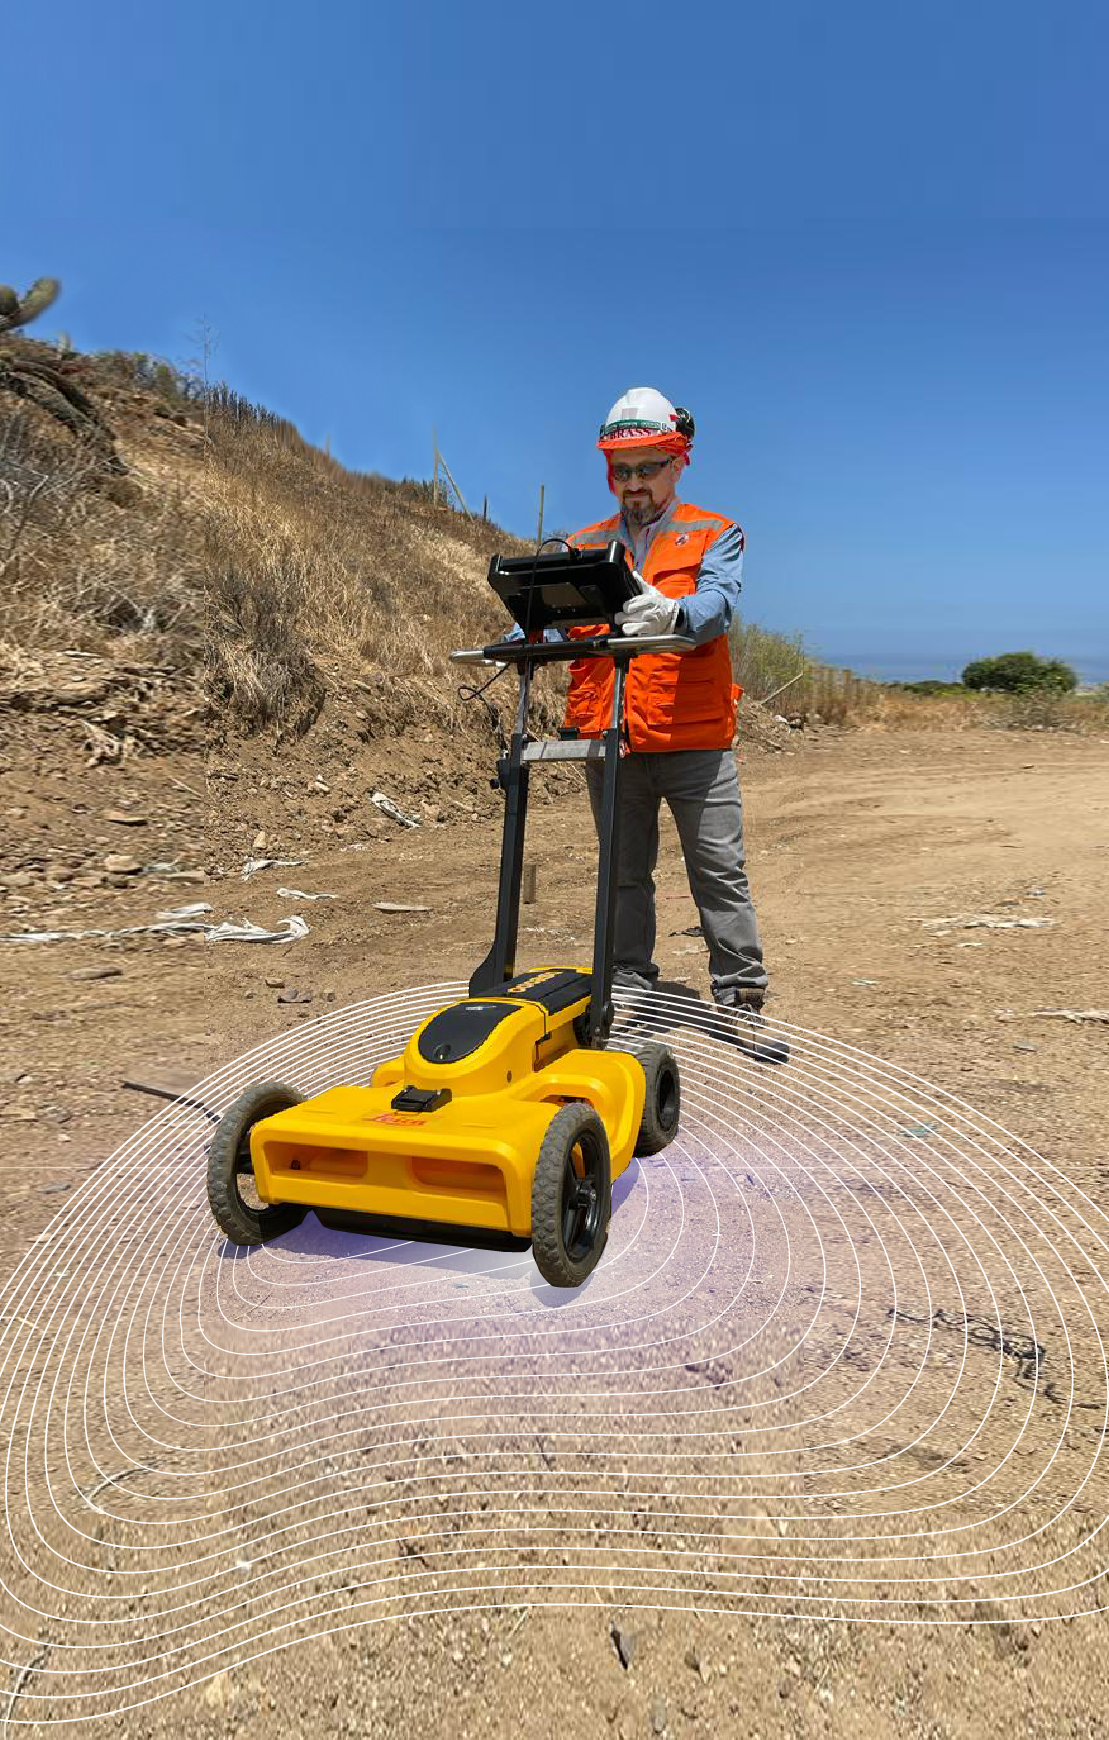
(745, 1007)
(634, 985)
(745, 1000)
(749, 1031)
(748, 997)
(636, 1005)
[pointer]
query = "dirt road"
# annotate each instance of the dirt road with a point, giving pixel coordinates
(820, 1450)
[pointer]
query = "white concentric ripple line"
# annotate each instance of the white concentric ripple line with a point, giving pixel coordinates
(843, 1357)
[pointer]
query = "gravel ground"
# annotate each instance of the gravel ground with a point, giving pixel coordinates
(819, 1448)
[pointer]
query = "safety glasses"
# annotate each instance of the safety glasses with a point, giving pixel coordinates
(649, 469)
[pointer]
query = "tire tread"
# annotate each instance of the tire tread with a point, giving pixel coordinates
(239, 1223)
(551, 1259)
(655, 1134)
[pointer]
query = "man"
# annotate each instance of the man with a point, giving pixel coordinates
(679, 708)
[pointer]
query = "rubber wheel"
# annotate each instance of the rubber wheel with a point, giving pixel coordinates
(571, 1196)
(239, 1211)
(662, 1108)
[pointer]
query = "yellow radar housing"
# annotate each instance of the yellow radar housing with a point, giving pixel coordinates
(479, 1083)
(507, 1116)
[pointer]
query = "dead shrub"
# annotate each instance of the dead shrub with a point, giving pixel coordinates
(972, 711)
(258, 672)
(765, 662)
(77, 571)
(1036, 710)
(43, 485)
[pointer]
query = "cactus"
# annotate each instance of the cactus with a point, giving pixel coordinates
(20, 310)
(48, 384)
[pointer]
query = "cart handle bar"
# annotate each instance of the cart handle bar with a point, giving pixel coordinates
(552, 651)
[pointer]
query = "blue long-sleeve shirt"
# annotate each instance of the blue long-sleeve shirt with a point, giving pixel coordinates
(708, 611)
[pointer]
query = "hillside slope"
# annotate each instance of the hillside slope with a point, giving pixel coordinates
(240, 581)
(205, 613)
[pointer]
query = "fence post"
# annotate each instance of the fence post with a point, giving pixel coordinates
(455, 487)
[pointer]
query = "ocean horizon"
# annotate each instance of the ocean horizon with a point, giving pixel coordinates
(1090, 671)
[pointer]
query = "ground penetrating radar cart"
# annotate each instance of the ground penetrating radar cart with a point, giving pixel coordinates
(507, 1116)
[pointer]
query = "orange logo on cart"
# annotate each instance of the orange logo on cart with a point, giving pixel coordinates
(395, 1118)
(536, 979)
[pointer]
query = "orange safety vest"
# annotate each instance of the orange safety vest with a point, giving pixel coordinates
(671, 700)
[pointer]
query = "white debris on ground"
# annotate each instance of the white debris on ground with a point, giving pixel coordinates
(986, 921)
(389, 808)
(253, 865)
(288, 930)
(175, 924)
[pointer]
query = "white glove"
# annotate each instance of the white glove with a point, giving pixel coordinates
(650, 612)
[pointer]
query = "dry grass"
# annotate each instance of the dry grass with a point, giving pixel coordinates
(269, 581)
(87, 561)
(318, 577)
(766, 663)
(259, 571)
(780, 671)
(1086, 715)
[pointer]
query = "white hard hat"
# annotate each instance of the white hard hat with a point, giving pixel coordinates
(642, 417)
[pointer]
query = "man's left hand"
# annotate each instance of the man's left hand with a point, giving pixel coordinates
(650, 612)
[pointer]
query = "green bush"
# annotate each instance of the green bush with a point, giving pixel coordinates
(1018, 673)
(165, 380)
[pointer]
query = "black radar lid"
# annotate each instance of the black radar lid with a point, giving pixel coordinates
(561, 587)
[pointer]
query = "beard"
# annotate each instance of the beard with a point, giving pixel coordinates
(641, 512)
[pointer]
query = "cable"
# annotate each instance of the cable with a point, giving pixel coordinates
(539, 548)
(467, 692)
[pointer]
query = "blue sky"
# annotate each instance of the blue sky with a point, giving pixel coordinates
(867, 246)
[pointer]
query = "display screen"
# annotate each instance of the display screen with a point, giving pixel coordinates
(563, 587)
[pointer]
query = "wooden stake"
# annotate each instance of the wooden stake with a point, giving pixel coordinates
(539, 534)
(435, 478)
(527, 884)
(455, 487)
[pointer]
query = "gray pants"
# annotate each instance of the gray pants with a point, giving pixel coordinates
(702, 789)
